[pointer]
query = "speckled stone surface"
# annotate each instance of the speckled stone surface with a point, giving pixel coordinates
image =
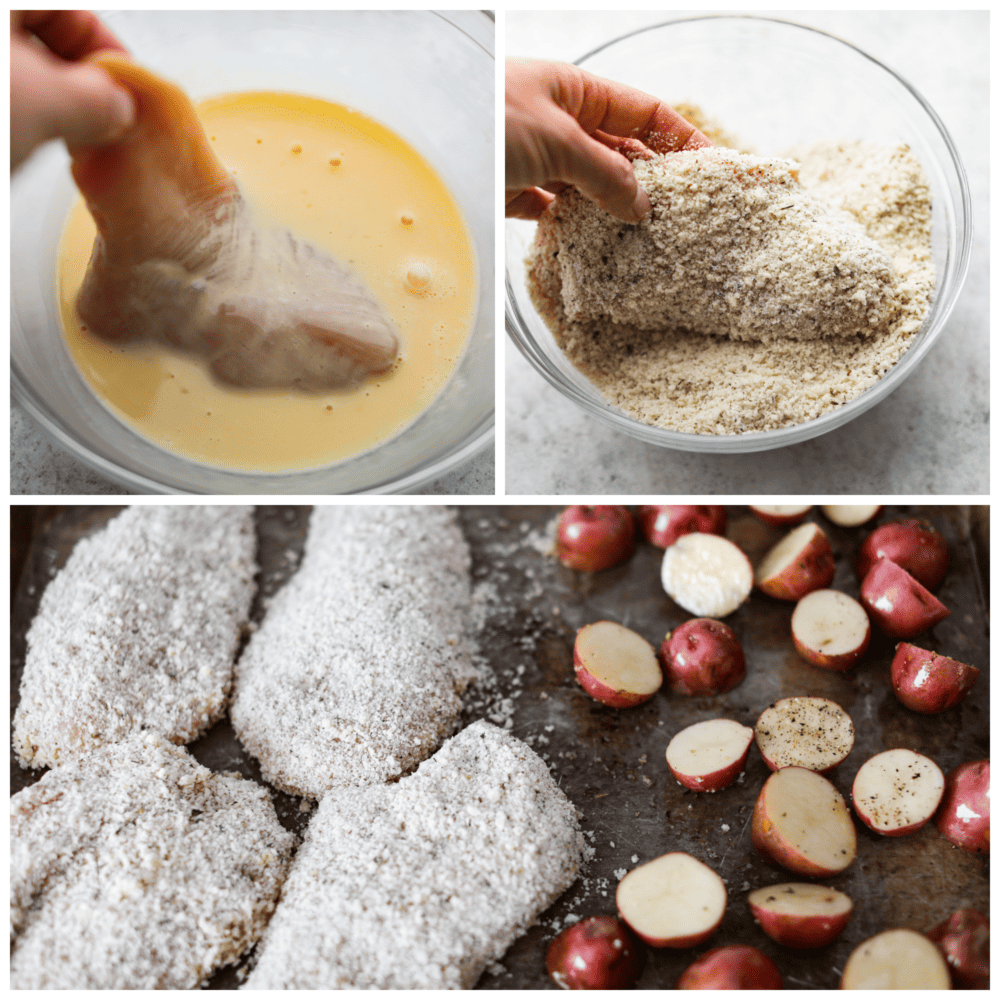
(38, 468)
(931, 436)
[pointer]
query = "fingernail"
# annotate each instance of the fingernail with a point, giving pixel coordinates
(642, 205)
(122, 113)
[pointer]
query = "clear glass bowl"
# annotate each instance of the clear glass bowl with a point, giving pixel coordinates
(776, 85)
(427, 76)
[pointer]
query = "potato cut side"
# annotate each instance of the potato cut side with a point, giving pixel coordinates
(784, 553)
(804, 732)
(675, 898)
(850, 515)
(706, 575)
(896, 960)
(707, 747)
(801, 899)
(782, 510)
(809, 827)
(830, 622)
(897, 790)
(619, 658)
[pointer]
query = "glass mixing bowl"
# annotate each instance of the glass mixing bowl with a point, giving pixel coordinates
(776, 85)
(427, 76)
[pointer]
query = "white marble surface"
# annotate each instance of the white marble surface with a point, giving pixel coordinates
(39, 468)
(931, 436)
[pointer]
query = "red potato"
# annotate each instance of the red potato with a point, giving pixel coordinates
(964, 814)
(802, 823)
(897, 792)
(899, 605)
(914, 544)
(709, 755)
(615, 665)
(780, 514)
(598, 953)
(800, 914)
(929, 683)
(814, 733)
(732, 967)
(896, 960)
(706, 575)
(830, 630)
(594, 538)
(702, 657)
(674, 901)
(964, 940)
(663, 524)
(850, 515)
(801, 562)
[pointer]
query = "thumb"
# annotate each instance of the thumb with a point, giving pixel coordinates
(600, 173)
(85, 106)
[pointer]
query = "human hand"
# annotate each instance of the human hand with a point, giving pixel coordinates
(565, 126)
(52, 94)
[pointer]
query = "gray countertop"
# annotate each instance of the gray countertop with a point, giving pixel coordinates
(931, 436)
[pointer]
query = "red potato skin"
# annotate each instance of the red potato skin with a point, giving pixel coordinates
(914, 544)
(732, 967)
(780, 520)
(800, 932)
(764, 837)
(964, 940)
(812, 570)
(606, 967)
(968, 784)
(714, 660)
(594, 538)
(601, 692)
(838, 663)
(949, 681)
(715, 781)
(679, 519)
(914, 608)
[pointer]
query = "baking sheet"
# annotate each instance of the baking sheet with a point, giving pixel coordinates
(610, 762)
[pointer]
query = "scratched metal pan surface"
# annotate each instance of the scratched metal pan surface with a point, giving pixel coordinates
(611, 763)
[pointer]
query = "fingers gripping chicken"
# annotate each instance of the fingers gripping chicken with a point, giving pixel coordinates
(180, 258)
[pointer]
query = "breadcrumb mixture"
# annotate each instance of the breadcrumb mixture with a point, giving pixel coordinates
(355, 674)
(759, 293)
(137, 631)
(134, 867)
(421, 884)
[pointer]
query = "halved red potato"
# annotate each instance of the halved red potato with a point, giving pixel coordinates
(964, 814)
(802, 823)
(964, 940)
(597, 953)
(706, 575)
(732, 967)
(897, 792)
(664, 523)
(780, 514)
(709, 755)
(800, 914)
(804, 732)
(675, 901)
(801, 562)
(830, 629)
(594, 538)
(927, 682)
(914, 544)
(702, 657)
(899, 605)
(850, 515)
(896, 960)
(615, 665)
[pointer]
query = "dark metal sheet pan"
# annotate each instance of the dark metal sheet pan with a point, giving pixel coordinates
(611, 763)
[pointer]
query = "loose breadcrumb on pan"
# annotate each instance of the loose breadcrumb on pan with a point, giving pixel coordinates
(134, 867)
(422, 883)
(137, 631)
(355, 674)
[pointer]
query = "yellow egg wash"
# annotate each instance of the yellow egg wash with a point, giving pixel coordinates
(352, 188)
